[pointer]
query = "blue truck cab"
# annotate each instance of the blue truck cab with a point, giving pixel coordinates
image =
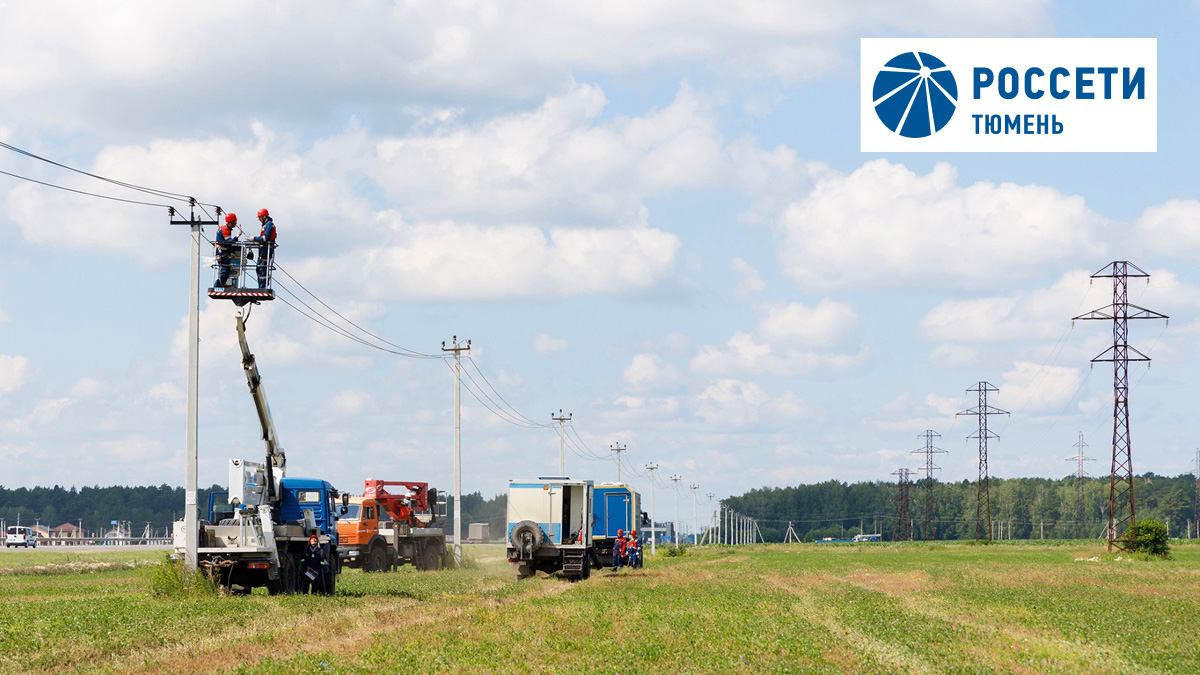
(297, 496)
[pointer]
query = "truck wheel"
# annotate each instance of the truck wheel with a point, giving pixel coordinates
(376, 560)
(587, 567)
(430, 559)
(517, 535)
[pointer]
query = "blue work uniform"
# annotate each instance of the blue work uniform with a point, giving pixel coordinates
(266, 250)
(314, 559)
(225, 237)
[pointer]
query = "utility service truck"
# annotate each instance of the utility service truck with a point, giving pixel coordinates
(550, 522)
(259, 535)
(617, 509)
(381, 531)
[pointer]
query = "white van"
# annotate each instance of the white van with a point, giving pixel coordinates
(19, 535)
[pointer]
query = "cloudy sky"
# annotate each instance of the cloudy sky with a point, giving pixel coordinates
(654, 216)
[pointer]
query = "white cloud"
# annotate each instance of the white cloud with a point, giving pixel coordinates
(1032, 388)
(952, 356)
(827, 324)
(750, 281)
(63, 60)
(543, 344)
(555, 162)
(648, 371)
(883, 226)
(44, 412)
(791, 339)
(86, 387)
(1171, 229)
(349, 402)
(1039, 314)
(13, 372)
(730, 402)
(451, 261)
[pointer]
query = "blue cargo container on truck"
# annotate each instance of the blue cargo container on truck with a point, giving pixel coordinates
(617, 507)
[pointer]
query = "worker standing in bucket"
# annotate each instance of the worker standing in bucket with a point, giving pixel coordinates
(313, 568)
(266, 246)
(224, 247)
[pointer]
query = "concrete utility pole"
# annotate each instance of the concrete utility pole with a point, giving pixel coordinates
(562, 441)
(618, 449)
(457, 349)
(695, 523)
(652, 467)
(676, 478)
(711, 521)
(1196, 506)
(191, 512)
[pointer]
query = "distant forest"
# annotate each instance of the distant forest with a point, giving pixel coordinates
(96, 507)
(1029, 508)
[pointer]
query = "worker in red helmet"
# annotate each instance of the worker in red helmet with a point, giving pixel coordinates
(618, 551)
(224, 248)
(634, 550)
(266, 247)
(314, 568)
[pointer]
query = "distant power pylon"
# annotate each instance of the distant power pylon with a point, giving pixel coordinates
(928, 533)
(903, 529)
(1121, 518)
(983, 495)
(1080, 474)
(790, 535)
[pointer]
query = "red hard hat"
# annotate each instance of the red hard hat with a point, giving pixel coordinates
(620, 531)
(230, 218)
(313, 537)
(633, 532)
(263, 212)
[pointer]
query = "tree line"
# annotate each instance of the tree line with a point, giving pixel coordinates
(1027, 508)
(96, 507)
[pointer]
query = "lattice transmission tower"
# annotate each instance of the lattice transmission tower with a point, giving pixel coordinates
(929, 531)
(1121, 517)
(1080, 474)
(903, 529)
(983, 495)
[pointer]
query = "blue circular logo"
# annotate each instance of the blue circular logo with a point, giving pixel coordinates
(915, 94)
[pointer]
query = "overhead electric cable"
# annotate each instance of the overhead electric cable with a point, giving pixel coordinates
(131, 186)
(84, 192)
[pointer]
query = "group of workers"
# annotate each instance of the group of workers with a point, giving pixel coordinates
(224, 247)
(627, 550)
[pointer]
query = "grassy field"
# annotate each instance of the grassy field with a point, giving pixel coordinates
(882, 608)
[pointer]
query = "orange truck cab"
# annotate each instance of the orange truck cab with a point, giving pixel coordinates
(370, 539)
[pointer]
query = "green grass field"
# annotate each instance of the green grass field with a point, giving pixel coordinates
(879, 608)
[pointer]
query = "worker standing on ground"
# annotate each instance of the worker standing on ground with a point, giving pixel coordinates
(634, 549)
(618, 553)
(313, 568)
(266, 246)
(224, 248)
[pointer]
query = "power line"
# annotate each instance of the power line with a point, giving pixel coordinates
(132, 186)
(84, 192)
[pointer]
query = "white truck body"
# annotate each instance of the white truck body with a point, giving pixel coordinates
(550, 523)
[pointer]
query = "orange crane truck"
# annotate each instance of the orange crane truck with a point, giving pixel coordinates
(382, 530)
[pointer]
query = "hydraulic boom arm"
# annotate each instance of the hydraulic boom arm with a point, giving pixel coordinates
(417, 499)
(276, 458)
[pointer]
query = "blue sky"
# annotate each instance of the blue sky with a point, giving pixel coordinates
(656, 218)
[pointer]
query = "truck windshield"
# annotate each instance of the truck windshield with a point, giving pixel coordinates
(351, 512)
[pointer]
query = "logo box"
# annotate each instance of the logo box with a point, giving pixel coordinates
(1009, 95)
